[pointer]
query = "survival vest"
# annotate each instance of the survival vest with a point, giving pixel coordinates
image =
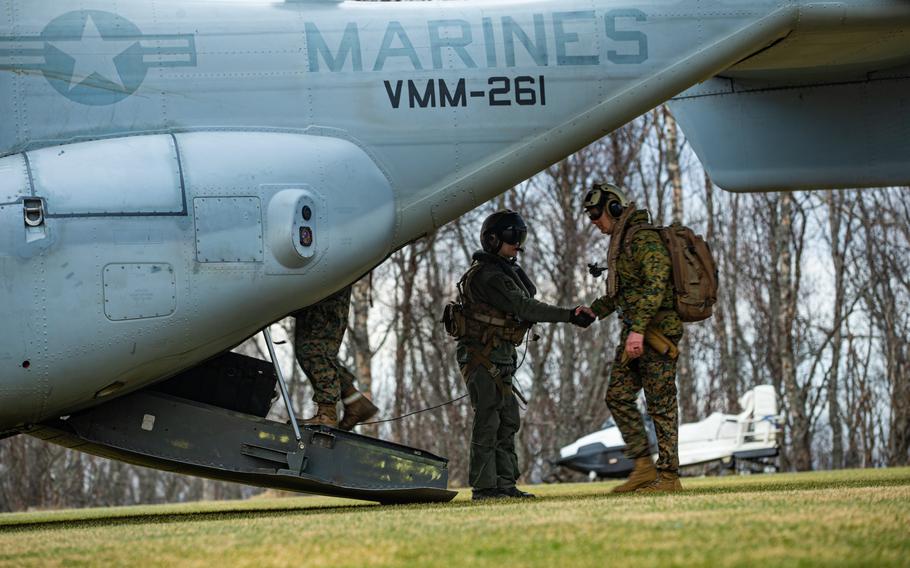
(693, 268)
(468, 317)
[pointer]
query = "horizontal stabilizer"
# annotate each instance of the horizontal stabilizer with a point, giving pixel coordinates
(754, 136)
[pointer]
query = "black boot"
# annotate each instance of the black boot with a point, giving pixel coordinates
(516, 493)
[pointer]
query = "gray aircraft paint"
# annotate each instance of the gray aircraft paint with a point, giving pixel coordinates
(165, 141)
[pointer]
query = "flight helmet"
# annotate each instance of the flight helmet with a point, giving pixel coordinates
(605, 197)
(504, 226)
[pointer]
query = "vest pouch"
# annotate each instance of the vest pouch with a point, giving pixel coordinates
(453, 319)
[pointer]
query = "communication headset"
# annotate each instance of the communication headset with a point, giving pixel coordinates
(503, 227)
(491, 243)
(605, 197)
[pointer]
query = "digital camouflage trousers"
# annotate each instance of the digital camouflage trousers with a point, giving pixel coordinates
(656, 374)
(318, 336)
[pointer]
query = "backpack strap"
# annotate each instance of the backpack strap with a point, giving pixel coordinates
(632, 231)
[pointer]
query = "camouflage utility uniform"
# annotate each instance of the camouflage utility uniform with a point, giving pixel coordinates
(496, 291)
(644, 298)
(317, 339)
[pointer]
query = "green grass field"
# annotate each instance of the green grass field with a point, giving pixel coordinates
(859, 517)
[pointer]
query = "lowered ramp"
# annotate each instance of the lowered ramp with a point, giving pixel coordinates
(161, 431)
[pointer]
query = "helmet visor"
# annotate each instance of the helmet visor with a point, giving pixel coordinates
(514, 235)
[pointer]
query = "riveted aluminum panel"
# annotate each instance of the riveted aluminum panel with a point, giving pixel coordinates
(12, 235)
(228, 229)
(126, 176)
(139, 291)
(13, 178)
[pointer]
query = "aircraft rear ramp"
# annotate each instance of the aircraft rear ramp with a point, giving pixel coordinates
(211, 421)
(158, 430)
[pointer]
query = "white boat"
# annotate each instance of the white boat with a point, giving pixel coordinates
(748, 440)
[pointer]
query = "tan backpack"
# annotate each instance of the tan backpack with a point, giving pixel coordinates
(694, 270)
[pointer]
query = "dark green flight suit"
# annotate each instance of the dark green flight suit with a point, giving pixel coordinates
(644, 298)
(496, 289)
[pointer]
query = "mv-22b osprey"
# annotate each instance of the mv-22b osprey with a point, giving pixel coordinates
(176, 175)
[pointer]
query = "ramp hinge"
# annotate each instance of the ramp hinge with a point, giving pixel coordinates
(295, 461)
(264, 453)
(324, 439)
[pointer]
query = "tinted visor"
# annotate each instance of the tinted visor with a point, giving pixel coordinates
(594, 213)
(514, 235)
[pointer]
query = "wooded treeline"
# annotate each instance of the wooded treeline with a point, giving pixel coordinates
(813, 299)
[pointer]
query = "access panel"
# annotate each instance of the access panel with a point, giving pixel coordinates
(228, 229)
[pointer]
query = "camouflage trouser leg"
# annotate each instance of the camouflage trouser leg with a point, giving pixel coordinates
(328, 377)
(318, 357)
(496, 422)
(622, 396)
(318, 335)
(655, 373)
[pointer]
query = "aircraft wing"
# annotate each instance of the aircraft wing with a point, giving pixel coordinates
(818, 109)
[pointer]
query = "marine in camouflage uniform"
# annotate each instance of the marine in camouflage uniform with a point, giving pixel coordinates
(499, 307)
(319, 333)
(643, 297)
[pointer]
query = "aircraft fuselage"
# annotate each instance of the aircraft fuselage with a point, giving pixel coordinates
(179, 174)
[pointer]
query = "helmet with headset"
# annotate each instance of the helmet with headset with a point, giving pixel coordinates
(504, 226)
(605, 197)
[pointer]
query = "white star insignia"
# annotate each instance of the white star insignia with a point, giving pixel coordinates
(94, 55)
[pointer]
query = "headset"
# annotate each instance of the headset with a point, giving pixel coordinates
(605, 197)
(503, 227)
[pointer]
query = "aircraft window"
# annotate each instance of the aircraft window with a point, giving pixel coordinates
(307, 213)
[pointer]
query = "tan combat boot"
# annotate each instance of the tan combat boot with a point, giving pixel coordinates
(643, 474)
(357, 409)
(326, 415)
(666, 482)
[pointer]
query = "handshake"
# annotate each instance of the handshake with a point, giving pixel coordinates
(582, 316)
